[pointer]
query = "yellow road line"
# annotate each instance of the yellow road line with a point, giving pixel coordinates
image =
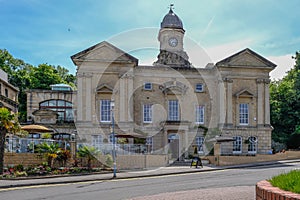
(99, 181)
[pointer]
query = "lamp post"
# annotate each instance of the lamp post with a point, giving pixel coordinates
(112, 104)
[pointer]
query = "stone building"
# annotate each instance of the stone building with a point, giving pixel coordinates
(8, 93)
(176, 106)
(52, 108)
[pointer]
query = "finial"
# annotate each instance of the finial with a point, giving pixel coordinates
(171, 7)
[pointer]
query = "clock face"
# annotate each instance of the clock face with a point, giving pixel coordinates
(173, 42)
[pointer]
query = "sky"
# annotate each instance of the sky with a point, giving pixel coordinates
(50, 31)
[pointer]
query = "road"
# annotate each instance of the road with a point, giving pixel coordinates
(224, 184)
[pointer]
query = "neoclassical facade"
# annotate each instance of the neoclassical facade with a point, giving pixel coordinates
(174, 105)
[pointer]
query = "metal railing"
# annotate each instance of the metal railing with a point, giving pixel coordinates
(122, 149)
(29, 145)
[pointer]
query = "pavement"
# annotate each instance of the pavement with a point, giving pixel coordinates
(169, 170)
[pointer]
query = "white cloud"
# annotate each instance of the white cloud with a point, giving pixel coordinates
(284, 63)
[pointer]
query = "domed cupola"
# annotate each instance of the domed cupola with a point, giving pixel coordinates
(171, 20)
(170, 37)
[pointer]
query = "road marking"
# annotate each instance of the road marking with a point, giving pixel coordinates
(100, 181)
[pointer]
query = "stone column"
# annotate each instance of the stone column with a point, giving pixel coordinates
(267, 102)
(129, 95)
(221, 102)
(123, 101)
(88, 96)
(79, 96)
(260, 109)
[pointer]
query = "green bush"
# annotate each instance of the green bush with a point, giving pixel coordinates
(288, 181)
(109, 160)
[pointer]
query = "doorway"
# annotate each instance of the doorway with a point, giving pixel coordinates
(173, 140)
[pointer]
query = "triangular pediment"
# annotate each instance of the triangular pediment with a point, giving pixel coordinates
(104, 88)
(103, 52)
(244, 94)
(246, 58)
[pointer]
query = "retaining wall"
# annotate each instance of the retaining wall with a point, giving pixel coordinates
(123, 161)
(265, 191)
(243, 159)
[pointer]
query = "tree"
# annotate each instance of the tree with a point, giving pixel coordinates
(89, 153)
(50, 151)
(285, 104)
(43, 76)
(8, 123)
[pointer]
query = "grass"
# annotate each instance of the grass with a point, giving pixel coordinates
(288, 181)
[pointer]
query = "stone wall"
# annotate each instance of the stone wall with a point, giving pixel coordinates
(265, 191)
(123, 161)
(25, 159)
(236, 160)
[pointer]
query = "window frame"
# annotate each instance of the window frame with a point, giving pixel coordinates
(149, 143)
(148, 84)
(97, 141)
(147, 113)
(237, 145)
(196, 87)
(199, 143)
(244, 114)
(61, 109)
(252, 146)
(173, 110)
(200, 114)
(105, 111)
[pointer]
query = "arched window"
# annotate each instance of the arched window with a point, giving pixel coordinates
(63, 108)
(252, 146)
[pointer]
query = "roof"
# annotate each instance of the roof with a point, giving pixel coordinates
(246, 57)
(101, 47)
(171, 20)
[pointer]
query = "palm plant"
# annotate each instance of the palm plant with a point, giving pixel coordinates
(51, 151)
(8, 123)
(89, 153)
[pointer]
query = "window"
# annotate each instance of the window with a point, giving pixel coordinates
(147, 86)
(105, 111)
(6, 92)
(199, 87)
(0, 89)
(237, 144)
(252, 145)
(199, 114)
(63, 108)
(244, 114)
(147, 113)
(173, 110)
(199, 143)
(96, 141)
(149, 144)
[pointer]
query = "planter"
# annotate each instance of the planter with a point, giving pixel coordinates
(265, 191)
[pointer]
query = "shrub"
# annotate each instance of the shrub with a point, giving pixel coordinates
(288, 181)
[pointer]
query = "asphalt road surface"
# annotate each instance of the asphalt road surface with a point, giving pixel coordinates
(217, 185)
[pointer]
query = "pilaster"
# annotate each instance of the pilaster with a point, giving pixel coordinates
(260, 110)
(267, 102)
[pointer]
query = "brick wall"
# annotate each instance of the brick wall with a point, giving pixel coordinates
(265, 191)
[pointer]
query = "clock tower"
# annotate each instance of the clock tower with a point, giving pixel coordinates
(170, 36)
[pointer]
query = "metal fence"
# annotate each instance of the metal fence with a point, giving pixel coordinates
(121, 149)
(29, 145)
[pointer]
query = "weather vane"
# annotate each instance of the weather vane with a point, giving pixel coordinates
(171, 6)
